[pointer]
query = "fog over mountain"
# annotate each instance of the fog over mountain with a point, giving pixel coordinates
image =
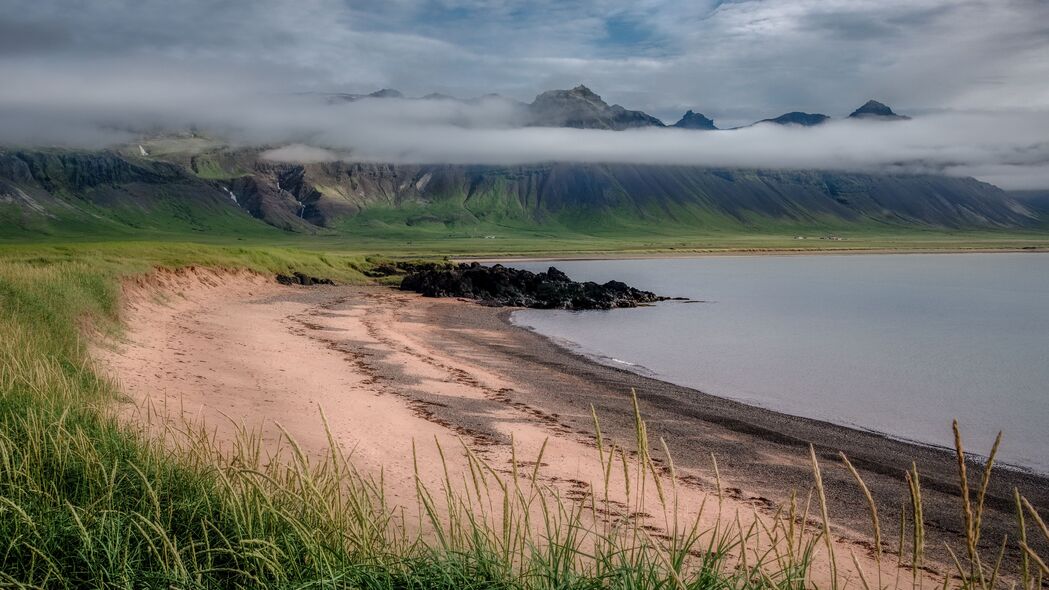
(1005, 148)
(266, 74)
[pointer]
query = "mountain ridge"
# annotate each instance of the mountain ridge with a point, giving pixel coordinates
(193, 182)
(48, 188)
(582, 108)
(798, 118)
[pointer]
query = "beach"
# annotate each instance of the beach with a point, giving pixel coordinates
(402, 380)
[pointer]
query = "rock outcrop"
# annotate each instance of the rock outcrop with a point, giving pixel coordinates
(501, 286)
(298, 278)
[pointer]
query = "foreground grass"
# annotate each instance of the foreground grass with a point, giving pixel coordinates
(83, 503)
(87, 503)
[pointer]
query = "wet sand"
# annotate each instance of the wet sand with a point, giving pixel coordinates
(395, 373)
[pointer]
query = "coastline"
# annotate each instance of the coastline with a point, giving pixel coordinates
(571, 348)
(389, 368)
(761, 452)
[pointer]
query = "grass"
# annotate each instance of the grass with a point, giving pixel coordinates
(88, 503)
(499, 240)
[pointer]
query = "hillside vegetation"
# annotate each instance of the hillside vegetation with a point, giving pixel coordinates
(211, 193)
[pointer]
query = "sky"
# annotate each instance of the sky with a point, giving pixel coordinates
(74, 71)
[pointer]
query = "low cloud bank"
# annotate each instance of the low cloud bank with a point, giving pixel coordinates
(298, 153)
(1008, 148)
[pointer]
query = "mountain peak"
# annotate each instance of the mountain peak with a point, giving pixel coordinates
(387, 93)
(579, 93)
(798, 118)
(582, 108)
(693, 120)
(875, 109)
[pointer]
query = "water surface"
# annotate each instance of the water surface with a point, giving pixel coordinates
(898, 344)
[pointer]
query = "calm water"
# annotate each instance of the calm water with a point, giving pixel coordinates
(899, 344)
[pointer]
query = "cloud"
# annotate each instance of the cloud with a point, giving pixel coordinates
(737, 61)
(113, 70)
(1009, 147)
(298, 153)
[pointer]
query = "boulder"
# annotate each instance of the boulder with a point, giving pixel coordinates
(298, 278)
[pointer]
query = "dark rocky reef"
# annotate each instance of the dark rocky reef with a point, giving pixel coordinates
(501, 286)
(298, 278)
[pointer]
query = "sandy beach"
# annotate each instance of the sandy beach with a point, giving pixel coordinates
(399, 377)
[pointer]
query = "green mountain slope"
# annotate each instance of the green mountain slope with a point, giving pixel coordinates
(590, 195)
(86, 193)
(236, 192)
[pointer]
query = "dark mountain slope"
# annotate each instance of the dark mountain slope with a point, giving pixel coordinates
(1036, 201)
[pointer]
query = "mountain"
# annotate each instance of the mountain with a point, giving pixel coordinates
(588, 194)
(581, 108)
(186, 182)
(1036, 201)
(797, 118)
(101, 192)
(692, 120)
(873, 109)
(338, 97)
(387, 93)
(234, 191)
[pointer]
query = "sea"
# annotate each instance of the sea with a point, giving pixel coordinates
(900, 344)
